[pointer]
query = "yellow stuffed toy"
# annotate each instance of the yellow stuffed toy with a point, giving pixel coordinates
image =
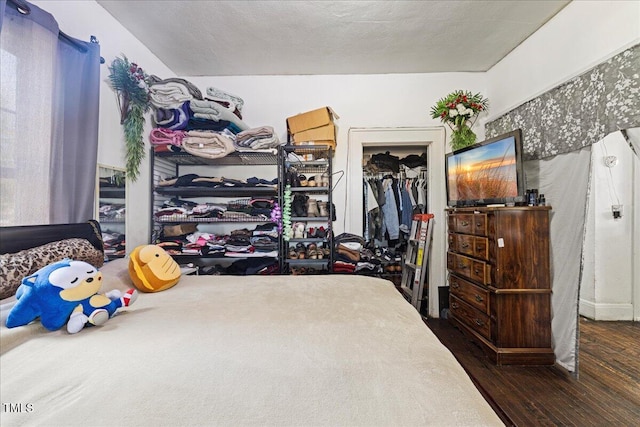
(152, 269)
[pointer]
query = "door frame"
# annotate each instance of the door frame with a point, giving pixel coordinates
(434, 139)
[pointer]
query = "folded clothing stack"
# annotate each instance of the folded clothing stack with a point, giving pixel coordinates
(208, 144)
(256, 139)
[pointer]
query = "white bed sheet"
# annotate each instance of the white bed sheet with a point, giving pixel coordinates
(244, 351)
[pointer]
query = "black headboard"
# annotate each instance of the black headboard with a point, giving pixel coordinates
(14, 239)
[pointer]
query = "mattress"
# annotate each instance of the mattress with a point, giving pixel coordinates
(326, 350)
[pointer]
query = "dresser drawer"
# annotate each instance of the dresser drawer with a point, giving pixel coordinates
(468, 223)
(481, 247)
(480, 224)
(470, 268)
(471, 317)
(474, 295)
(462, 223)
(469, 245)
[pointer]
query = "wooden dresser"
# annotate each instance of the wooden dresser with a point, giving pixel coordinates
(499, 281)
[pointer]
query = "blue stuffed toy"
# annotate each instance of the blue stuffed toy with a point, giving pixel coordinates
(66, 292)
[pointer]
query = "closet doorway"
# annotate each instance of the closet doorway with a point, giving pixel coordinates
(363, 142)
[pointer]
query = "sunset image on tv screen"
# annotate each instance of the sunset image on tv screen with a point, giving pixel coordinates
(485, 172)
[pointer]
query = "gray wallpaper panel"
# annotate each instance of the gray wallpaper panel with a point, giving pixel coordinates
(579, 112)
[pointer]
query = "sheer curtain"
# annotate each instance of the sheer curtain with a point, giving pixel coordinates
(49, 108)
(564, 180)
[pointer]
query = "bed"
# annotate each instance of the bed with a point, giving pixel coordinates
(327, 350)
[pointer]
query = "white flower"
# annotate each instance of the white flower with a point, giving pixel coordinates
(453, 113)
(470, 112)
(461, 108)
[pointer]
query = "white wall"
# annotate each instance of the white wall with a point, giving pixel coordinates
(607, 286)
(582, 35)
(82, 19)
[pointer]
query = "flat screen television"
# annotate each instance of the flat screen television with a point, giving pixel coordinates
(486, 173)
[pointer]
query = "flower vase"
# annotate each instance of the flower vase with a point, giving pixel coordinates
(462, 136)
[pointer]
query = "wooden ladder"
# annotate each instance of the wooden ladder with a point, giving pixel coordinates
(414, 263)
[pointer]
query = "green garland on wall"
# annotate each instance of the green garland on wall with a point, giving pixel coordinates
(132, 93)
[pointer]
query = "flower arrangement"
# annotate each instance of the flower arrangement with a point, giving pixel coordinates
(129, 82)
(460, 110)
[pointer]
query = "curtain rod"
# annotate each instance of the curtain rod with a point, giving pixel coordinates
(23, 8)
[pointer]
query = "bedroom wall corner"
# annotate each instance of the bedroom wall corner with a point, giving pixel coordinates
(607, 291)
(579, 37)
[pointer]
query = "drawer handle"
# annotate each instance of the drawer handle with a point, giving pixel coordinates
(479, 298)
(454, 305)
(462, 266)
(479, 322)
(465, 245)
(455, 285)
(476, 271)
(479, 224)
(465, 223)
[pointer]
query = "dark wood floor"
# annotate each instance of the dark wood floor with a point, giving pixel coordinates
(606, 392)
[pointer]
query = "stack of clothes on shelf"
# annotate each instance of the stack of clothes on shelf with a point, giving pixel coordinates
(114, 243)
(208, 126)
(177, 209)
(347, 252)
(195, 180)
(112, 212)
(185, 239)
(353, 256)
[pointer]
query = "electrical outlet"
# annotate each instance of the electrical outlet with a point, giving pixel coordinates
(617, 211)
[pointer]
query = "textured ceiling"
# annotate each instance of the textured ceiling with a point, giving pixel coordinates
(209, 38)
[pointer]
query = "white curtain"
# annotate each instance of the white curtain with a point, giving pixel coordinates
(49, 107)
(28, 49)
(564, 180)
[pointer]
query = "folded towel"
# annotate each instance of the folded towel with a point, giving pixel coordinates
(208, 144)
(262, 131)
(169, 95)
(160, 136)
(215, 111)
(173, 118)
(235, 102)
(259, 138)
(190, 87)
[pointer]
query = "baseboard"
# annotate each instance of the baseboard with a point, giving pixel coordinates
(606, 311)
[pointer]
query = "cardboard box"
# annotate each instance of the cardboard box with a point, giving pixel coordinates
(327, 143)
(323, 133)
(310, 120)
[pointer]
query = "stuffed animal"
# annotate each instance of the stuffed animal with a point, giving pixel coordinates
(66, 292)
(152, 269)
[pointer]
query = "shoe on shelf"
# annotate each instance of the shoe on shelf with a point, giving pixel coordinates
(322, 209)
(311, 182)
(301, 250)
(299, 205)
(323, 180)
(303, 180)
(298, 230)
(312, 208)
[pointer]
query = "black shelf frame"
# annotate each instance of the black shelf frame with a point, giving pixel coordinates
(179, 159)
(321, 164)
